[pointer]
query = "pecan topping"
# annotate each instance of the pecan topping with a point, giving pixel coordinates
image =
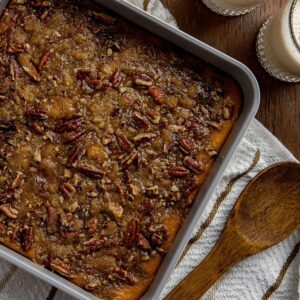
(89, 171)
(91, 225)
(186, 144)
(143, 80)
(125, 276)
(143, 137)
(193, 165)
(129, 159)
(98, 84)
(17, 181)
(38, 127)
(107, 139)
(76, 154)
(45, 58)
(7, 210)
(157, 94)
(61, 268)
(14, 70)
(27, 236)
(3, 231)
(68, 189)
(18, 48)
(69, 125)
(132, 233)
(153, 116)
(29, 67)
(83, 74)
(15, 235)
(103, 17)
(178, 171)
(8, 125)
(5, 195)
(143, 242)
(124, 142)
(51, 220)
(40, 3)
(95, 244)
(117, 79)
(187, 189)
(36, 113)
(141, 121)
(74, 136)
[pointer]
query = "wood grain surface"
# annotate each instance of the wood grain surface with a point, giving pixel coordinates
(280, 102)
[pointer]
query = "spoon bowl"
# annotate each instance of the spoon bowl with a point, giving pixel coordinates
(266, 212)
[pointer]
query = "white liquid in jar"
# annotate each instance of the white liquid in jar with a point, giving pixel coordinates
(283, 45)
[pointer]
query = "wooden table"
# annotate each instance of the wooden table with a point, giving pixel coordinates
(280, 102)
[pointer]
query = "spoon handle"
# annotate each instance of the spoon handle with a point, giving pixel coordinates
(230, 249)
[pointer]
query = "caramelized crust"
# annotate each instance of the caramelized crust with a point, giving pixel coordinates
(107, 133)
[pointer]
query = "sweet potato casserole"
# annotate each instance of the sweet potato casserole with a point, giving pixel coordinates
(107, 133)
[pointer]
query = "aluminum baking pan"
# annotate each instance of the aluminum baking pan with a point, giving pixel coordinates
(251, 98)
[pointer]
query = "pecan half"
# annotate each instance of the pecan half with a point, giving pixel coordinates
(89, 171)
(99, 84)
(141, 121)
(29, 68)
(186, 144)
(132, 233)
(36, 113)
(123, 142)
(7, 210)
(68, 189)
(69, 125)
(44, 58)
(193, 165)
(125, 276)
(143, 80)
(76, 153)
(60, 267)
(18, 48)
(157, 94)
(143, 242)
(129, 159)
(8, 125)
(143, 137)
(51, 220)
(74, 136)
(178, 171)
(117, 79)
(153, 116)
(26, 237)
(93, 245)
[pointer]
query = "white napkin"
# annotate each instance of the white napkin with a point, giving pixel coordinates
(272, 274)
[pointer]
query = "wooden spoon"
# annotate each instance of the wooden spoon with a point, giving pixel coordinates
(267, 212)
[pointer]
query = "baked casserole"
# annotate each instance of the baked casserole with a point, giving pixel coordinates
(107, 133)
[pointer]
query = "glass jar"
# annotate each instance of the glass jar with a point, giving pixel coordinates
(232, 7)
(278, 43)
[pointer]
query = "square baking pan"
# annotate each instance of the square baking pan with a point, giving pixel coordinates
(251, 98)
